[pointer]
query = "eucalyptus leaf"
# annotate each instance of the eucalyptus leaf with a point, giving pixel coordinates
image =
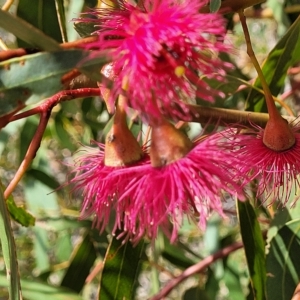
(121, 268)
(9, 252)
(31, 78)
(36, 290)
(254, 248)
(27, 32)
(282, 262)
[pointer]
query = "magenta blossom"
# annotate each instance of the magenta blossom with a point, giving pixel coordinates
(276, 172)
(194, 185)
(142, 199)
(159, 51)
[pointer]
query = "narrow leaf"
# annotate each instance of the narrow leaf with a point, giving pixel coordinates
(254, 248)
(80, 266)
(9, 251)
(19, 214)
(35, 290)
(31, 78)
(283, 266)
(43, 177)
(59, 4)
(122, 266)
(27, 32)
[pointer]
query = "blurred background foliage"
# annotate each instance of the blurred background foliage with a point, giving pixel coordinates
(61, 257)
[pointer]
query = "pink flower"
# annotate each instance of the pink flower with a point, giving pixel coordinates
(145, 199)
(194, 185)
(103, 188)
(159, 51)
(276, 172)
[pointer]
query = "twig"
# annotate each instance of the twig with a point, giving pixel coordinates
(268, 95)
(197, 268)
(57, 98)
(45, 111)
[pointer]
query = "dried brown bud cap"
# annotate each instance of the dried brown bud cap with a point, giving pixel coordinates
(278, 135)
(168, 144)
(121, 147)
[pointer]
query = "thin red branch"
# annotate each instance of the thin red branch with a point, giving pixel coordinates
(57, 98)
(45, 110)
(197, 268)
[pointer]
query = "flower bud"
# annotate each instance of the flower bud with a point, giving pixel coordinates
(168, 144)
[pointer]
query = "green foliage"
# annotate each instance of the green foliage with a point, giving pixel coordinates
(65, 257)
(122, 264)
(28, 79)
(282, 263)
(9, 252)
(254, 248)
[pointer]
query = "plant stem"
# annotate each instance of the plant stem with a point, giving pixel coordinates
(197, 268)
(273, 112)
(45, 110)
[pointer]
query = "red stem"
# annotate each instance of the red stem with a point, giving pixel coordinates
(45, 110)
(197, 268)
(57, 98)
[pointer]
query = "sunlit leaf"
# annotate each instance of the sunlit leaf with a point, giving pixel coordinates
(35, 290)
(27, 32)
(282, 262)
(19, 214)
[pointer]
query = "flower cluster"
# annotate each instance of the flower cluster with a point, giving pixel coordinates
(159, 52)
(145, 198)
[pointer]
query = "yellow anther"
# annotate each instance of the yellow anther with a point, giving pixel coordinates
(179, 71)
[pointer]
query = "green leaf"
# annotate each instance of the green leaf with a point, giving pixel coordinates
(26, 135)
(283, 56)
(233, 284)
(27, 32)
(195, 293)
(122, 266)
(176, 256)
(35, 290)
(9, 251)
(42, 15)
(59, 4)
(283, 267)
(44, 178)
(214, 5)
(80, 265)
(19, 214)
(254, 248)
(31, 78)
(85, 29)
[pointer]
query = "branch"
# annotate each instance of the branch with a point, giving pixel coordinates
(45, 110)
(197, 268)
